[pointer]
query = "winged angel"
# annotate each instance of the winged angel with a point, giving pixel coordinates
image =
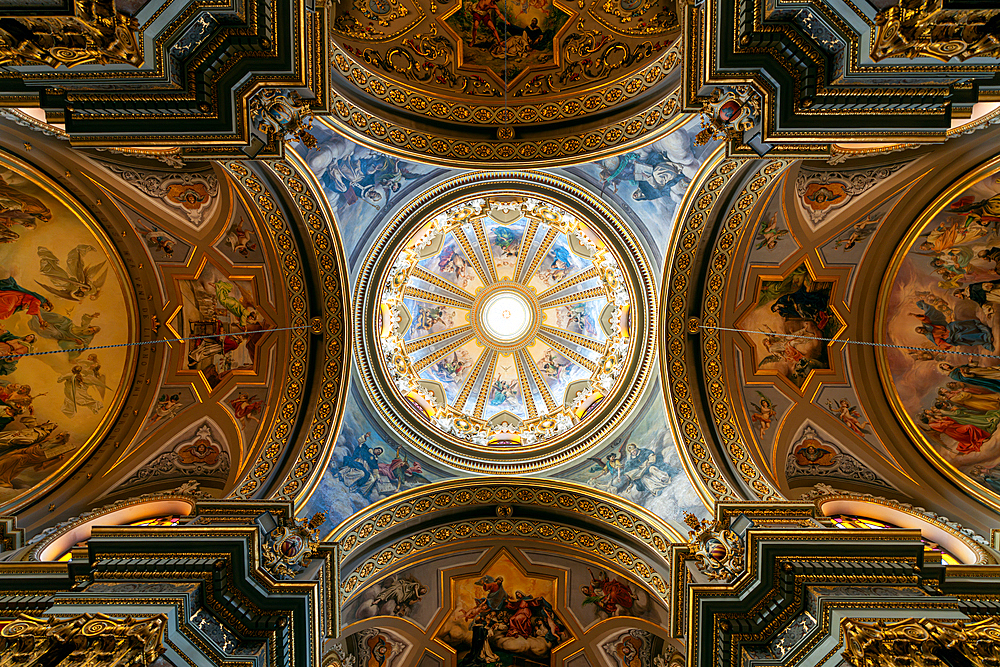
(77, 280)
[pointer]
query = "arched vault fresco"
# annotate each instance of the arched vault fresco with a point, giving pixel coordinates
(939, 301)
(63, 289)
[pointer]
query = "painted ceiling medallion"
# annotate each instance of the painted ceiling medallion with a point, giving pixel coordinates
(504, 323)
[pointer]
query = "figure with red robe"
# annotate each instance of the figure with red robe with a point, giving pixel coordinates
(969, 438)
(14, 298)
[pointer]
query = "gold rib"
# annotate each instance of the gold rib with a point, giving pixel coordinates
(463, 396)
(586, 295)
(427, 276)
(592, 272)
(526, 241)
(424, 295)
(444, 351)
(550, 236)
(484, 389)
(529, 400)
(573, 338)
(543, 388)
(484, 245)
(473, 257)
(420, 343)
(570, 354)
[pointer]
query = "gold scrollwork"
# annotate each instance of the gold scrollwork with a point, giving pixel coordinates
(87, 640)
(924, 28)
(95, 33)
(920, 642)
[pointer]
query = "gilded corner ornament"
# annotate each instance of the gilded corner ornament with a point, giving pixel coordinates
(95, 32)
(282, 114)
(718, 550)
(728, 113)
(289, 548)
(924, 28)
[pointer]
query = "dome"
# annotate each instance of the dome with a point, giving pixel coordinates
(496, 327)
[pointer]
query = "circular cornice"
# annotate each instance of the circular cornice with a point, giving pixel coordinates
(431, 420)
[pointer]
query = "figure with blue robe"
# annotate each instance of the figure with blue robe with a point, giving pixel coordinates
(987, 377)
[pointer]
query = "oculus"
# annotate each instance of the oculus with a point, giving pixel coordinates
(501, 324)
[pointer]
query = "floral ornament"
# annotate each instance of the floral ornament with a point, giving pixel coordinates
(718, 550)
(289, 548)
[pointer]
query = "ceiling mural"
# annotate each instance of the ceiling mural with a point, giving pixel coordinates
(525, 67)
(938, 302)
(63, 290)
(488, 604)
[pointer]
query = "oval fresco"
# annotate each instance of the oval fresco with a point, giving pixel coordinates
(62, 291)
(941, 302)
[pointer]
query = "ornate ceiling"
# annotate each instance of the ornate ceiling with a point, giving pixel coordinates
(505, 296)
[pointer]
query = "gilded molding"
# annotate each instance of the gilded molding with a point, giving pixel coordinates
(924, 28)
(95, 33)
(356, 532)
(674, 351)
(500, 529)
(334, 326)
(293, 383)
(720, 268)
(920, 642)
(87, 640)
(382, 134)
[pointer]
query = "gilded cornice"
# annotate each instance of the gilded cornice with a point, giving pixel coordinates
(356, 535)
(259, 477)
(701, 459)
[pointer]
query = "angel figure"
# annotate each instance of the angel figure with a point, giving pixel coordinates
(77, 280)
(764, 413)
(68, 336)
(77, 390)
(768, 233)
(849, 415)
(92, 367)
(240, 240)
(157, 241)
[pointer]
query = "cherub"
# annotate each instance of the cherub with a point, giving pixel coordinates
(849, 415)
(157, 241)
(240, 240)
(769, 234)
(859, 232)
(765, 412)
